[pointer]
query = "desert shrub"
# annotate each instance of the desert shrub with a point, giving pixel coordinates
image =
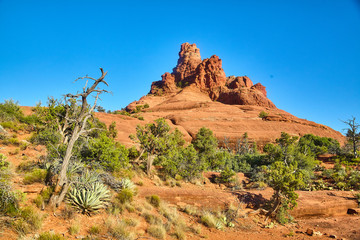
(182, 162)
(208, 219)
(318, 145)
(74, 229)
(179, 233)
(263, 114)
(47, 136)
(119, 230)
(29, 220)
(43, 197)
(10, 111)
(36, 175)
(108, 153)
(151, 218)
(125, 195)
(8, 198)
(11, 141)
(206, 144)
(191, 210)
(131, 222)
(95, 230)
(50, 236)
(157, 231)
(284, 179)
(343, 178)
(154, 200)
(15, 126)
(89, 200)
(226, 176)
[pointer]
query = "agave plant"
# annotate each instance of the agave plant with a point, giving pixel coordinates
(127, 184)
(89, 200)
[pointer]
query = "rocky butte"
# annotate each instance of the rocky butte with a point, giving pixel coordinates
(198, 94)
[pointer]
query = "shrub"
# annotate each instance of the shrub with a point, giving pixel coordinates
(36, 175)
(10, 111)
(29, 220)
(191, 210)
(125, 196)
(8, 199)
(119, 230)
(89, 200)
(263, 114)
(151, 218)
(50, 236)
(209, 220)
(179, 233)
(74, 229)
(154, 200)
(110, 154)
(226, 176)
(95, 230)
(157, 231)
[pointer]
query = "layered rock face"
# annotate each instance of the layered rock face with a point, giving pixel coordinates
(209, 76)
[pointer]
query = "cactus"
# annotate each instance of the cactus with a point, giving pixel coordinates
(89, 200)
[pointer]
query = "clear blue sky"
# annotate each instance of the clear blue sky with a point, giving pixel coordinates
(307, 53)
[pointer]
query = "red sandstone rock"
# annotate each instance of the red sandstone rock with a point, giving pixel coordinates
(209, 77)
(210, 74)
(260, 87)
(238, 82)
(189, 59)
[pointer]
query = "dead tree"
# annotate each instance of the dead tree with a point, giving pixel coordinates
(353, 134)
(77, 122)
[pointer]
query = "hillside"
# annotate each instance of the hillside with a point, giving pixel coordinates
(197, 93)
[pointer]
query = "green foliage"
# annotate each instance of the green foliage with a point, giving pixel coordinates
(95, 230)
(89, 200)
(126, 183)
(343, 178)
(28, 220)
(43, 197)
(36, 175)
(263, 114)
(284, 179)
(290, 152)
(206, 144)
(226, 176)
(183, 162)
(10, 111)
(8, 198)
(124, 196)
(318, 145)
(108, 153)
(112, 130)
(154, 200)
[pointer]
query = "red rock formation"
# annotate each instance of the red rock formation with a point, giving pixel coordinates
(189, 59)
(261, 88)
(233, 82)
(209, 77)
(209, 74)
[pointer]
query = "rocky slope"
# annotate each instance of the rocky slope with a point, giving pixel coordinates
(197, 93)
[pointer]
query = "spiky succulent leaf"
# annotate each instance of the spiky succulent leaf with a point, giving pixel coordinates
(89, 200)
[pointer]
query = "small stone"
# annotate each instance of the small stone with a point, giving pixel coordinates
(332, 236)
(310, 232)
(317, 233)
